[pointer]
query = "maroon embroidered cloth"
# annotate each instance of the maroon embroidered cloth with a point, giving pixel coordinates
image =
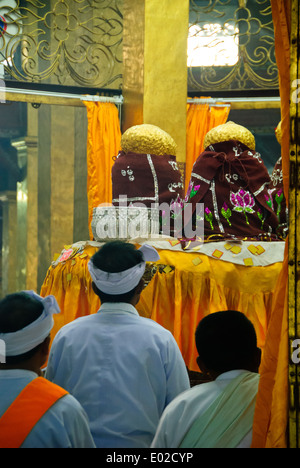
(234, 185)
(280, 206)
(146, 178)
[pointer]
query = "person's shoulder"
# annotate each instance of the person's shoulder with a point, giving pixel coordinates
(155, 327)
(68, 419)
(68, 407)
(197, 391)
(180, 404)
(69, 402)
(76, 325)
(190, 396)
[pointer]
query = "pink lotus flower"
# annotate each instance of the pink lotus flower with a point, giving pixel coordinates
(243, 202)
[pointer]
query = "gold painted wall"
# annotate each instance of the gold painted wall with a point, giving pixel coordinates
(165, 84)
(133, 62)
(154, 67)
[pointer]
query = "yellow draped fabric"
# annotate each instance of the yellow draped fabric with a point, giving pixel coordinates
(190, 286)
(71, 284)
(180, 299)
(200, 119)
(103, 144)
(271, 415)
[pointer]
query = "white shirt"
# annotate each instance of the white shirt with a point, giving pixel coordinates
(187, 407)
(64, 425)
(124, 369)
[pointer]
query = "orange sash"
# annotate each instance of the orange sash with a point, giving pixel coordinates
(27, 409)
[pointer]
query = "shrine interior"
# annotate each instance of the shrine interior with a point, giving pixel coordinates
(75, 78)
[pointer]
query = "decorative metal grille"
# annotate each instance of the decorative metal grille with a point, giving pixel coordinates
(79, 43)
(249, 24)
(66, 42)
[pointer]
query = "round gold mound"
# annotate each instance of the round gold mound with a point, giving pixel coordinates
(278, 133)
(148, 139)
(227, 132)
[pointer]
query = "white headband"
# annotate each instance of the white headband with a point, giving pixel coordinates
(124, 281)
(26, 339)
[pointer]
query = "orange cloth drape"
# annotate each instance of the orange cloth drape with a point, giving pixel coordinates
(103, 144)
(71, 284)
(180, 299)
(200, 119)
(271, 414)
(177, 300)
(26, 411)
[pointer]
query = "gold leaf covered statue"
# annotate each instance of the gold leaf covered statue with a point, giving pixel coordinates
(230, 131)
(145, 175)
(146, 169)
(232, 182)
(146, 139)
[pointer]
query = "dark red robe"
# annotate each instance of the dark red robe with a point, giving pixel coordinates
(235, 187)
(146, 178)
(280, 206)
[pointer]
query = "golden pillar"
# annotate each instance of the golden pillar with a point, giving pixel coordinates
(21, 221)
(9, 235)
(62, 177)
(155, 66)
(49, 208)
(32, 208)
(27, 209)
(294, 233)
(61, 182)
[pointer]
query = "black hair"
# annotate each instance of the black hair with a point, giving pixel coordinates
(114, 257)
(226, 341)
(17, 311)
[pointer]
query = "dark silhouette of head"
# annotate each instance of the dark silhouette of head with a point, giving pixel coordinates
(227, 341)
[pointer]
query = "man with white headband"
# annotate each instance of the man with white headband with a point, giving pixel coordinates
(123, 369)
(34, 413)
